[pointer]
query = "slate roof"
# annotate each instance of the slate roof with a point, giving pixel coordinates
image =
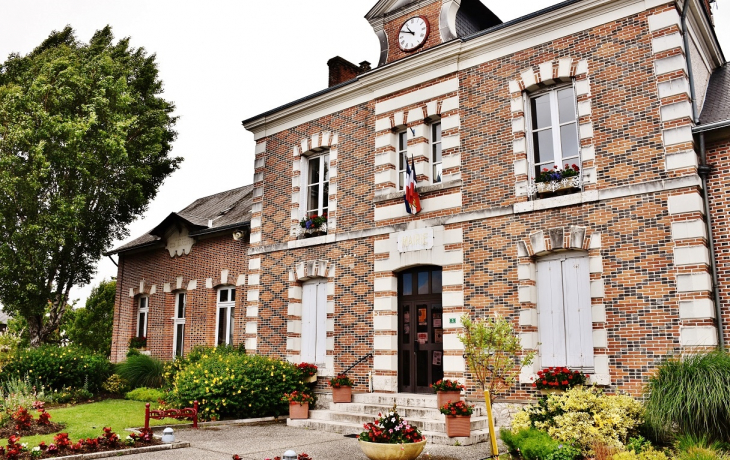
(226, 209)
(717, 99)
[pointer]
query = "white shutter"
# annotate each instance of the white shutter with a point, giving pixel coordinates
(578, 317)
(551, 321)
(309, 323)
(321, 340)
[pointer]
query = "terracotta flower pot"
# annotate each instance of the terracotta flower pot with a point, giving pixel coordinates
(342, 394)
(378, 451)
(442, 397)
(458, 426)
(298, 411)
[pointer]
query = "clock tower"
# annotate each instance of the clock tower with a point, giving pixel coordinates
(407, 27)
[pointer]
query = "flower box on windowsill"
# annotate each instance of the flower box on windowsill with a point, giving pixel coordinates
(564, 186)
(302, 233)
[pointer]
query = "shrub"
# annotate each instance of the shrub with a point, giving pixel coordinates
(137, 342)
(583, 417)
(69, 395)
(647, 454)
(531, 443)
(146, 394)
(692, 447)
(142, 371)
(195, 355)
(115, 384)
(235, 385)
(17, 393)
(691, 395)
(58, 367)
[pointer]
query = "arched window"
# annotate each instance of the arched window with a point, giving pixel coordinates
(226, 310)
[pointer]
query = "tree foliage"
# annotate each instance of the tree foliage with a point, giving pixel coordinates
(492, 351)
(85, 142)
(92, 326)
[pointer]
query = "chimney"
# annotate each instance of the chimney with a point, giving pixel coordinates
(342, 70)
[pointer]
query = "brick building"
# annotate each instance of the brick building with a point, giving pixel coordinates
(606, 271)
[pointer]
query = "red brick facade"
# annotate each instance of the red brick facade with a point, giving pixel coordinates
(637, 216)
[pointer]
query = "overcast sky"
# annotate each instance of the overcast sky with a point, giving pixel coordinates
(223, 61)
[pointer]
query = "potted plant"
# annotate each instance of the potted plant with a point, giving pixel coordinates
(558, 379)
(309, 372)
(313, 224)
(458, 418)
(298, 404)
(391, 438)
(557, 181)
(341, 389)
(447, 390)
(139, 343)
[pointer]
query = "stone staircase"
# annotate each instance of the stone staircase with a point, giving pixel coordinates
(419, 410)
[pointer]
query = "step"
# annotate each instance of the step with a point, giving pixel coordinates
(407, 412)
(428, 424)
(433, 437)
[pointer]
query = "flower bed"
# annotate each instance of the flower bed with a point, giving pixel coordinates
(62, 445)
(22, 423)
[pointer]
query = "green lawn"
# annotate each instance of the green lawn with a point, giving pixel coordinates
(88, 420)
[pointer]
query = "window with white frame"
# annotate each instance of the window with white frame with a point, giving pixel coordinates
(436, 166)
(179, 324)
(142, 316)
(318, 184)
(402, 158)
(226, 311)
(553, 129)
(314, 322)
(565, 323)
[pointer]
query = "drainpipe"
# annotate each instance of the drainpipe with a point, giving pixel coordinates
(704, 172)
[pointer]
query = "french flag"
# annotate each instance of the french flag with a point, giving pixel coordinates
(413, 201)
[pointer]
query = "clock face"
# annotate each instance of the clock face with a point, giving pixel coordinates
(413, 33)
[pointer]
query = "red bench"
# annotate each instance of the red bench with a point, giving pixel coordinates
(188, 412)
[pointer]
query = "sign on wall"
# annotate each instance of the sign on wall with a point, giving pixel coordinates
(415, 240)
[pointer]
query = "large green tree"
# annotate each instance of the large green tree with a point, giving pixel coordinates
(85, 142)
(91, 327)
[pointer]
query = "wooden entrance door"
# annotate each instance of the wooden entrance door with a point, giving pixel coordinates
(420, 330)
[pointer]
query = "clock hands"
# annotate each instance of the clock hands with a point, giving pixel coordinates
(408, 30)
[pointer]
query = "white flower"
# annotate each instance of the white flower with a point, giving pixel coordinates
(36, 449)
(393, 420)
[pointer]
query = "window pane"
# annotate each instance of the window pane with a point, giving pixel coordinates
(326, 166)
(541, 112)
(436, 132)
(325, 194)
(143, 302)
(180, 337)
(233, 295)
(230, 325)
(408, 284)
(436, 155)
(423, 282)
(437, 170)
(181, 306)
(222, 318)
(566, 105)
(436, 281)
(313, 203)
(223, 295)
(569, 141)
(314, 170)
(402, 180)
(140, 326)
(543, 145)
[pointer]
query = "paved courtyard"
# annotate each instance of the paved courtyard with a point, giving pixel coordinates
(267, 440)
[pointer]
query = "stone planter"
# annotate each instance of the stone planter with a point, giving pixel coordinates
(378, 451)
(443, 397)
(311, 379)
(298, 410)
(458, 426)
(342, 394)
(557, 188)
(551, 392)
